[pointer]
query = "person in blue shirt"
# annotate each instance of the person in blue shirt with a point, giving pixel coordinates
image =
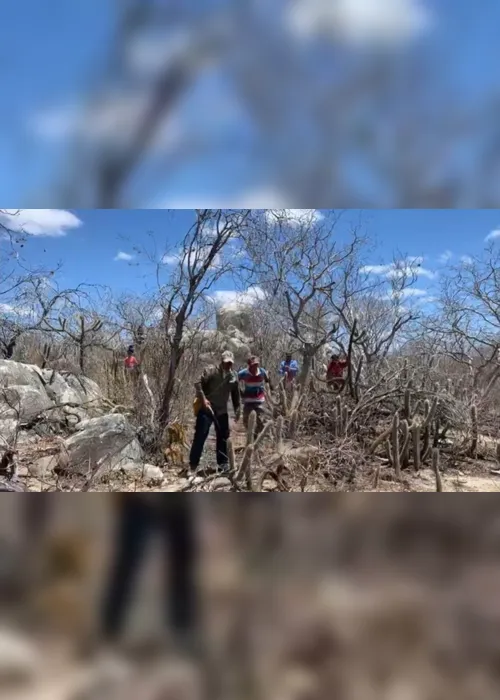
(289, 368)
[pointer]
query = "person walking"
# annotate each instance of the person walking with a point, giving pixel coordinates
(335, 372)
(254, 380)
(217, 385)
(131, 363)
(289, 368)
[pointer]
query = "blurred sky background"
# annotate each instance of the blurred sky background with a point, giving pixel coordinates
(352, 103)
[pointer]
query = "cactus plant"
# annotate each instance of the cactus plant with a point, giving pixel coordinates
(244, 470)
(405, 452)
(407, 403)
(475, 433)
(435, 466)
(395, 446)
(415, 432)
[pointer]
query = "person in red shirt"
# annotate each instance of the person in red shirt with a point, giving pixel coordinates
(131, 362)
(335, 372)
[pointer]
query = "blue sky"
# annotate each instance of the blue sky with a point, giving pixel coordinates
(52, 52)
(93, 239)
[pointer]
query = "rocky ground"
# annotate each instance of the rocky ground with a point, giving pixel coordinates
(69, 437)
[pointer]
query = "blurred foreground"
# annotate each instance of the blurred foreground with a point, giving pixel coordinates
(346, 595)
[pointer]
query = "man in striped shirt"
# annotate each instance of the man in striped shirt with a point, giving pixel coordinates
(253, 380)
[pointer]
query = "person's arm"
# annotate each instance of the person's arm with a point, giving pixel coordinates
(268, 381)
(282, 369)
(201, 387)
(236, 399)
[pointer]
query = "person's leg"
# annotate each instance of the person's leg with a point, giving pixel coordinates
(181, 593)
(261, 415)
(222, 434)
(204, 421)
(246, 415)
(134, 526)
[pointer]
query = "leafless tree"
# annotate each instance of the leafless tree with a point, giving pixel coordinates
(384, 310)
(198, 264)
(300, 266)
(468, 324)
(82, 320)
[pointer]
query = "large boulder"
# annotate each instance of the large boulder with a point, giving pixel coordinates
(108, 442)
(24, 402)
(26, 391)
(69, 388)
(240, 318)
(211, 343)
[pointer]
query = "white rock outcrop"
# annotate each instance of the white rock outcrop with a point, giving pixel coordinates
(27, 391)
(108, 442)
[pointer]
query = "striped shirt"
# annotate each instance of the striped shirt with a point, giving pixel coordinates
(253, 385)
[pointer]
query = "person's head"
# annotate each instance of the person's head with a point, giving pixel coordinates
(335, 357)
(253, 364)
(288, 357)
(227, 361)
(130, 350)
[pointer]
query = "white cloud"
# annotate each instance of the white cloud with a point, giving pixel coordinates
(466, 259)
(445, 257)
(420, 295)
(294, 217)
(413, 292)
(360, 21)
(14, 310)
(123, 256)
(110, 121)
(232, 299)
(113, 118)
(396, 270)
(39, 222)
(263, 198)
(195, 258)
(170, 259)
(493, 235)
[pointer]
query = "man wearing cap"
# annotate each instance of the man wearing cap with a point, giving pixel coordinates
(254, 379)
(217, 385)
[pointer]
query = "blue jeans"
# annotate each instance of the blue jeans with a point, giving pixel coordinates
(204, 421)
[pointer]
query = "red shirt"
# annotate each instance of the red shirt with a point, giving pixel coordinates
(336, 368)
(131, 362)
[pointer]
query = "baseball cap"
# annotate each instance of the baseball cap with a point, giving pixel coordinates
(227, 356)
(253, 361)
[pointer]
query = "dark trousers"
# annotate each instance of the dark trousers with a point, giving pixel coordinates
(138, 520)
(204, 421)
